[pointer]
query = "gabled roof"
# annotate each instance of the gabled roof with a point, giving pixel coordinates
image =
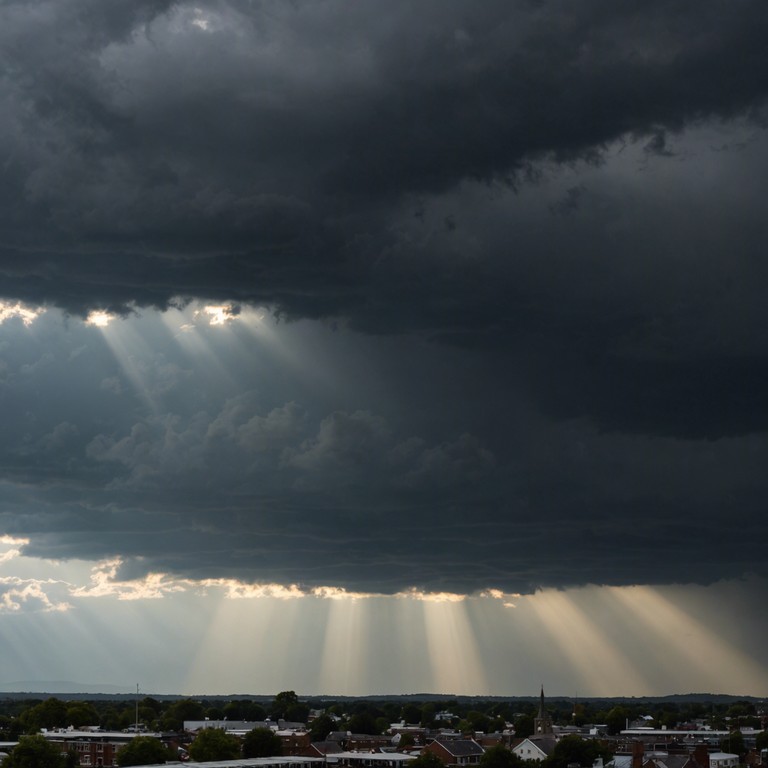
(545, 746)
(671, 761)
(461, 747)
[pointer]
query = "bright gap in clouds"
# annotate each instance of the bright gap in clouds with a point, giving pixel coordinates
(211, 314)
(26, 314)
(99, 318)
(225, 636)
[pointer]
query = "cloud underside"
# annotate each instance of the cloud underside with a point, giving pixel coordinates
(538, 231)
(171, 475)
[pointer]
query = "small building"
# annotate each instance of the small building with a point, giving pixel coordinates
(294, 742)
(456, 752)
(92, 748)
(534, 749)
(723, 760)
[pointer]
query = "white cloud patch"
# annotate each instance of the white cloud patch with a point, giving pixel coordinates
(105, 582)
(17, 310)
(21, 595)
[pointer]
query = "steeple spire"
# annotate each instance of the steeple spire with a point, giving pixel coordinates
(543, 723)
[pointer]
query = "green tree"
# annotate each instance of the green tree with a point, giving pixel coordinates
(214, 744)
(262, 742)
(733, 743)
(427, 715)
(363, 722)
(149, 703)
(524, 726)
(35, 752)
(406, 741)
(81, 713)
(426, 759)
(179, 711)
(282, 704)
(143, 750)
(500, 757)
(320, 727)
(51, 713)
(616, 720)
(253, 711)
(478, 721)
(411, 714)
(574, 749)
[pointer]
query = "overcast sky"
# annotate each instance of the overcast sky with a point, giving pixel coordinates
(317, 313)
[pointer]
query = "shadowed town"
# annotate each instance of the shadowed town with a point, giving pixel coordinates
(422, 732)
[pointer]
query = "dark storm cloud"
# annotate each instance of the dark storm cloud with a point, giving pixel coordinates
(317, 158)
(271, 141)
(257, 470)
(543, 222)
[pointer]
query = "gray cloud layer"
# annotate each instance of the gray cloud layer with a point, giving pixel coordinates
(546, 219)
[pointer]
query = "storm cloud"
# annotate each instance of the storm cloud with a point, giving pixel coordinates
(512, 264)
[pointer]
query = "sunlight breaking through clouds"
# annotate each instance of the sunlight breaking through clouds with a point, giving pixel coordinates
(18, 594)
(23, 312)
(15, 547)
(688, 641)
(581, 638)
(452, 648)
(99, 318)
(218, 315)
(104, 583)
(595, 640)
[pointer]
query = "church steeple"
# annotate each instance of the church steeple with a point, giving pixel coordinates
(542, 724)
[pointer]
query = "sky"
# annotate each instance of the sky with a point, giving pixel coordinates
(357, 348)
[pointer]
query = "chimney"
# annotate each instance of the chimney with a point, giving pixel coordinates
(701, 755)
(637, 754)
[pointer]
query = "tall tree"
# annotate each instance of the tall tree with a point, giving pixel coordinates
(320, 727)
(143, 750)
(179, 711)
(35, 752)
(500, 757)
(262, 742)
(524, 726)
(733, 743)
(81, 713)
(282, 703)
(214, 744)
(51, 713)
(616, 720)
(426, 760)
(573, 750)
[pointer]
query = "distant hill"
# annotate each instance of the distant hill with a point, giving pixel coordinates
(37, 689)
(60, 686)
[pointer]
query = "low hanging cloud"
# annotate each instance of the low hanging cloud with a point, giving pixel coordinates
(278, 486)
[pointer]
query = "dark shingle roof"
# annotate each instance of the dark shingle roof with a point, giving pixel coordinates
(461, 747)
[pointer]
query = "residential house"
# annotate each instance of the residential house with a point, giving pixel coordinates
(456, 752)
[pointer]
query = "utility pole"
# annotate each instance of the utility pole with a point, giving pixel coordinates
(136, 725)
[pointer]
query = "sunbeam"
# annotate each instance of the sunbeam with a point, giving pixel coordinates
(689, 645)
(134, 354)
(580, 637)
(452, 648)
